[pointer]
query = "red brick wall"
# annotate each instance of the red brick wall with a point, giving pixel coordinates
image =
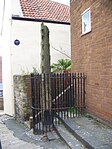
(92, 54)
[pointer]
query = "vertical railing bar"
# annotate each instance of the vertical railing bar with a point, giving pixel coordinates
(54, 97)
(79, 101)
(81, 94)
(45, 90)
(67, 96)
(69, 106)
(33, 101)
(42, 98)
(64, 95)
(39, 103)
(49, 99)
(35, 95)
(37, 98)
(52, 94)
(58, 94)
(73, 91)
(84, 92)
(78, 95)
(77, 92)
(68, 91)
(55, 79)
(76, 104)
(70, 98)
(61, 95)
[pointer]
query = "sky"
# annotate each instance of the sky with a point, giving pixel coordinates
(66, 2)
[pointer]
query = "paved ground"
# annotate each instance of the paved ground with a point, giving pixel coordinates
(14, 135)
(98, 135)
(1, 112)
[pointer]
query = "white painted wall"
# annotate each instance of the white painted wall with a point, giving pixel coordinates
(27, 55)
(6, 61)
(1, 23)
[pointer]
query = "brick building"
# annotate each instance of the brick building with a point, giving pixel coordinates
(91, 35)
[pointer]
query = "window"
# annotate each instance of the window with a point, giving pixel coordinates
(86, 21)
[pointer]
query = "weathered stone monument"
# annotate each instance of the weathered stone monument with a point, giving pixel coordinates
(45, 71)
(45, 50)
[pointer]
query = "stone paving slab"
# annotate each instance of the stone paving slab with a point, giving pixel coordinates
(14, 135)
(98, 135)
(70, 140)
(8, 141)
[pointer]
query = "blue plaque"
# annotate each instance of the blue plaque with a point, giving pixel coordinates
(16, 42)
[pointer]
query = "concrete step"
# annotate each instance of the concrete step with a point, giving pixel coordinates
(90, 133)
(68, 138)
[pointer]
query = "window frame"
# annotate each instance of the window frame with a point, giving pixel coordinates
(89, 30)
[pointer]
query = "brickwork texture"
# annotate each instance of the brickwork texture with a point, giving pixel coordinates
(92, 54)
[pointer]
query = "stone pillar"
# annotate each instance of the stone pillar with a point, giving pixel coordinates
(45, 50)
(45, 70)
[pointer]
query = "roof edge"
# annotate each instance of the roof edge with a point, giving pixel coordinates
(39, 20)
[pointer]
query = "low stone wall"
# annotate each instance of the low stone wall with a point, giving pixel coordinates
(1, 104)
(22, 97)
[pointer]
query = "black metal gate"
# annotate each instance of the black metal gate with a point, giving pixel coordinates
(56, 96)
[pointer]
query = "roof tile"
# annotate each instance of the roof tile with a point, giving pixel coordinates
(45, 9)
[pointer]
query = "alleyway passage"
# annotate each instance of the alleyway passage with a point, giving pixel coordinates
(14, 135)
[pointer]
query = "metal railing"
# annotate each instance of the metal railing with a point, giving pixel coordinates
(56, 95)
